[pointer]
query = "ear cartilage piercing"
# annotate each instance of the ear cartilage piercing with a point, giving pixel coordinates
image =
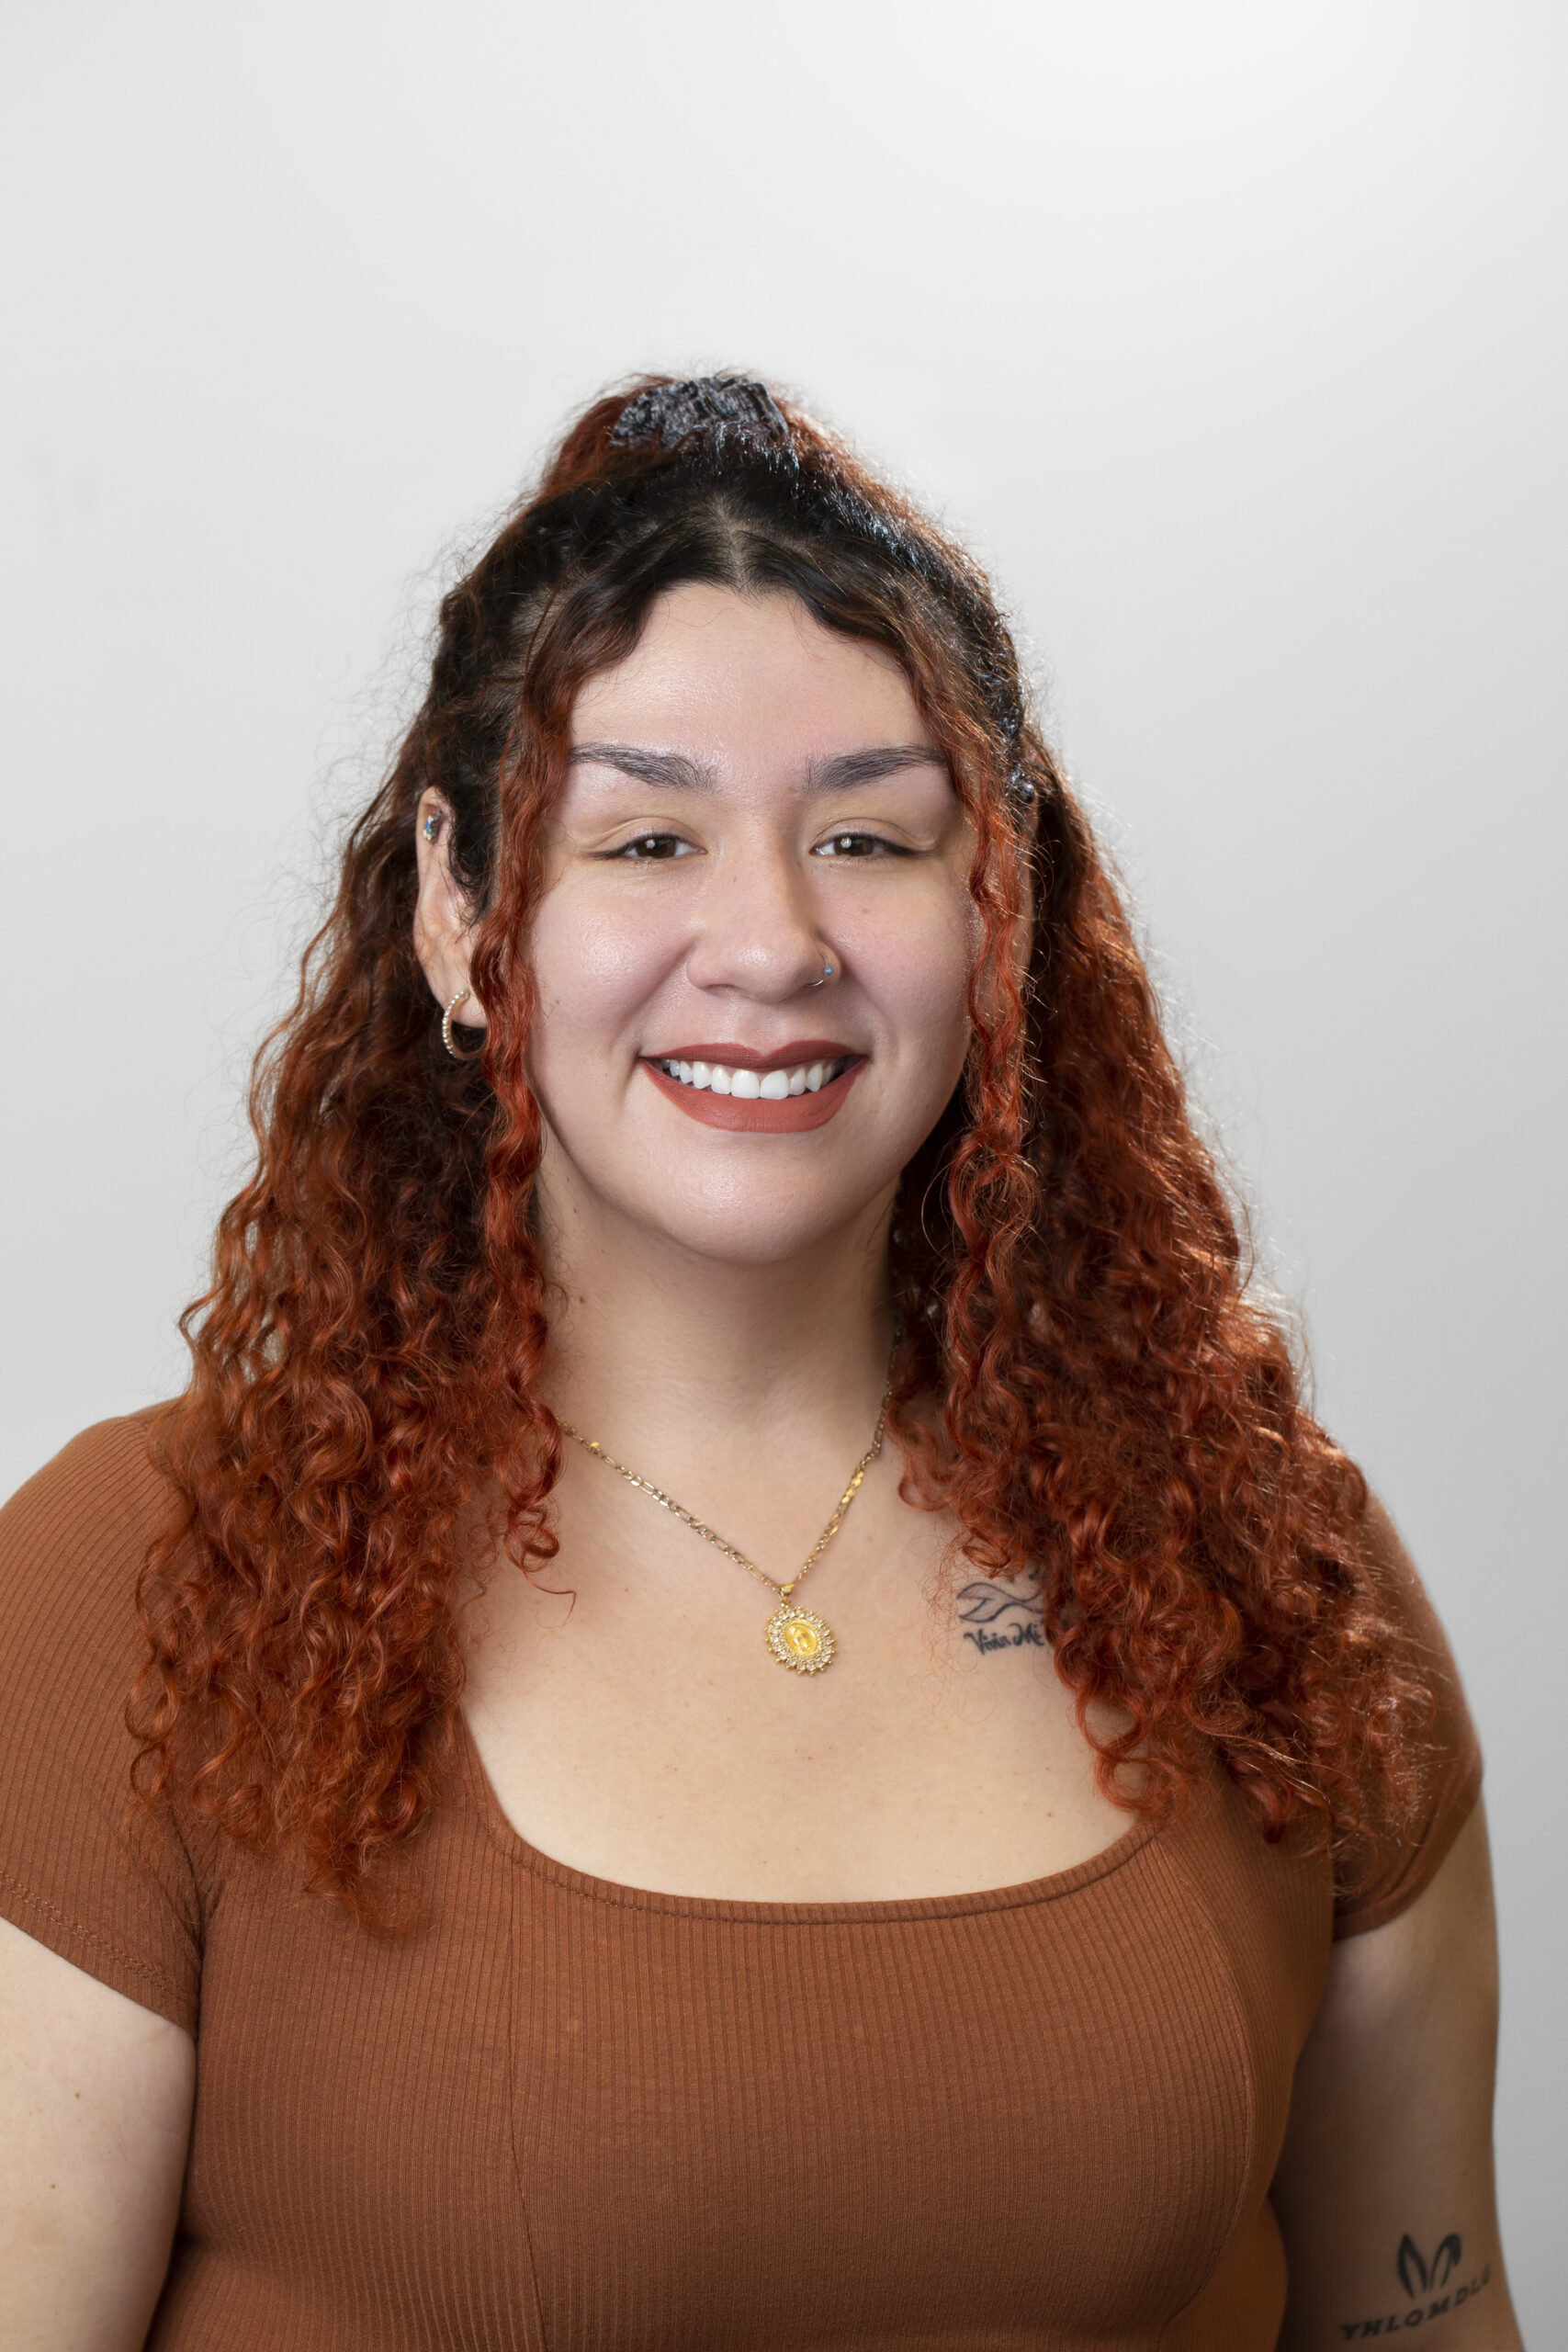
(432, 826)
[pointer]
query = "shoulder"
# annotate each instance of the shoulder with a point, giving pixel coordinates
(72, 1542)
(109, 1470)
(1381, 1873)
(1397, 1581)
(105, 1881)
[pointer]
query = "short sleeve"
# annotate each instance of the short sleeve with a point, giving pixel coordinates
(1384, 1872)
(106, 1882)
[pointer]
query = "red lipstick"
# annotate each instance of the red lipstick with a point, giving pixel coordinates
(795, 1114)
(734, 1057)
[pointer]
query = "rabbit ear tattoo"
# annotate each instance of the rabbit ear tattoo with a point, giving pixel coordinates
(1419, 2277)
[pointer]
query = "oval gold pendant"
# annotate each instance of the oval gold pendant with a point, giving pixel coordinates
(798, 1639)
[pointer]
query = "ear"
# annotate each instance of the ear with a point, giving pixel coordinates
(442, 926)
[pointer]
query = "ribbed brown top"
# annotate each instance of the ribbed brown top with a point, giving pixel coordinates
(566, 2114)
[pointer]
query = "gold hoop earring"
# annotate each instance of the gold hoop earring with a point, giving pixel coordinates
(461, 998)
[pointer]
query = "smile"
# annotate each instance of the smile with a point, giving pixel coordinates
(786, 1093)
(751, 1085)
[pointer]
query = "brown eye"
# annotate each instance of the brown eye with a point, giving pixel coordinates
(858, 845)
(650, 846)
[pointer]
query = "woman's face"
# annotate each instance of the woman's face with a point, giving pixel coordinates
(752, 799)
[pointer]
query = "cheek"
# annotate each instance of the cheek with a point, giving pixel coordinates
(594, 967)
(916, 971)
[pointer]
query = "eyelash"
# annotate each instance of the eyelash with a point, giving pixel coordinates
(642, 850)
(626, 853)
(872, 843)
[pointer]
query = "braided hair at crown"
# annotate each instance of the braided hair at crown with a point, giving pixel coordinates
(665, 414)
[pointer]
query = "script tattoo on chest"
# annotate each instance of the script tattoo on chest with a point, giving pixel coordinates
(1429, 2289)
(1002, 1613)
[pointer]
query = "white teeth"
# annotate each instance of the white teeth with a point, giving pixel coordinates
(751, 1085)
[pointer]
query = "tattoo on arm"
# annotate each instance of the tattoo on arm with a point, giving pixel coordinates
(1429, 2291)
(1002, 1613)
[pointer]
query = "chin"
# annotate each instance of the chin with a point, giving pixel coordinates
(766, 1228)
(759, 1205)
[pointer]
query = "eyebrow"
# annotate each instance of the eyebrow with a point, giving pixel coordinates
(649, 767)
(683, 774)
(865, 767)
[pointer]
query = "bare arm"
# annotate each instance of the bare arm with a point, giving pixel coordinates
(1385, 2191)
(96, 2097)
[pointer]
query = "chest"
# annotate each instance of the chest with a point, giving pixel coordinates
(564, 2113)
(635, 1722)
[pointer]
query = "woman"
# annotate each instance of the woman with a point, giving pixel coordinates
(726, 1088)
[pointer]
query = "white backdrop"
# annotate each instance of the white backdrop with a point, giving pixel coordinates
(1232, 335)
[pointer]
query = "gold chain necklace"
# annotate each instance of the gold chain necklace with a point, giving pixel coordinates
(797, 1637)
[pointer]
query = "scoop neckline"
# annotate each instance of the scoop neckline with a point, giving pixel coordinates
(867, 1912)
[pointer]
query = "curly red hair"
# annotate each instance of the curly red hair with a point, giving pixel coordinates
(1070, 1280)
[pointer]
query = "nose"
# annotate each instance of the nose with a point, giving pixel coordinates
(758, 932)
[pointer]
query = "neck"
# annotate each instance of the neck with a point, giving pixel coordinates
(669, 1358)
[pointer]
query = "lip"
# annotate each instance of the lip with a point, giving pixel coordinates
(796, 1114)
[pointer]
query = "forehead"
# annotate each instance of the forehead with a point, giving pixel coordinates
(716, 672)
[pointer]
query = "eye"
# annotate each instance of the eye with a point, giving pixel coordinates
(644, 849)
(858, 845)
